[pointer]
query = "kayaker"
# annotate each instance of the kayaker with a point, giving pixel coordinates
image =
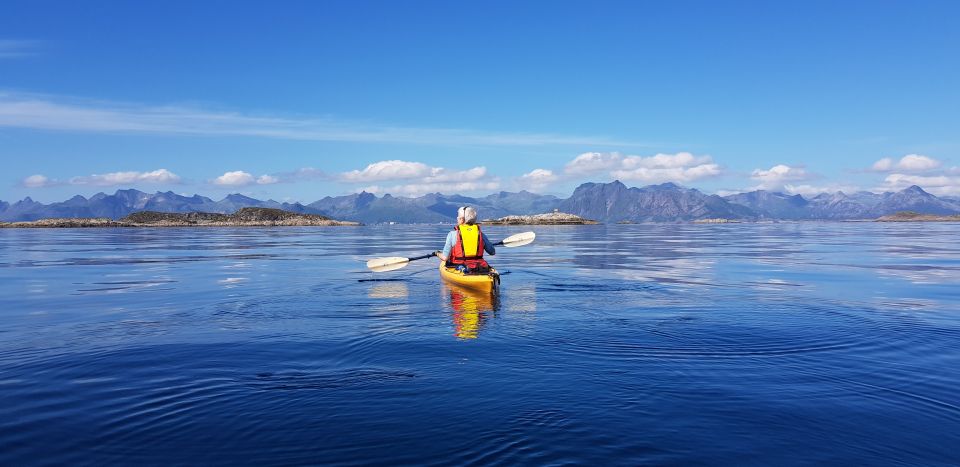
(466, 243)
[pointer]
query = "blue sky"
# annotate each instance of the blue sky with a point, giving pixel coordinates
(300, 100)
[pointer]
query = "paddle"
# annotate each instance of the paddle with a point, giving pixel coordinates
(392, 263)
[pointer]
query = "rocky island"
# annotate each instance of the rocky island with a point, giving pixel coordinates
(911, 216)
(550, 218)
(246, 217)
(717, 220)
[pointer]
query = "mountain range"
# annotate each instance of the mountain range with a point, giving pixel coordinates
(605, 202)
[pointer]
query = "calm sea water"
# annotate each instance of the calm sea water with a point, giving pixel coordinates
(748, 344)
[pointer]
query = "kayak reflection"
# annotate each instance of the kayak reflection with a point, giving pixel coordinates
(391, 289)
(471, 308)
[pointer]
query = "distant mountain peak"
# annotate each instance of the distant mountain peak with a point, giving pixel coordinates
(238, 198)
(129, 191)
(615, 185)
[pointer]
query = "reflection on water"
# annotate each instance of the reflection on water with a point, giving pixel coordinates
(388, 289)
(470, 309)
(522, 299)
(816, 343)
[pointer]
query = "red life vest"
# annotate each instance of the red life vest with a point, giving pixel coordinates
(457, 255)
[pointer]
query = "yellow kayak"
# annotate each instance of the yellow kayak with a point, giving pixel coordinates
(483, 282)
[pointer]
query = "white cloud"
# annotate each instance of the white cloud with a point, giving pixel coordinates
(235, 178)
(63, 114)
(37, 181)
(300, 175)
(422, 178)
(267, 180)
(159, 176)
(419, 189)
(908, 163)
(665, 161)
(920, 170)
(241, 178)
(389, 170)
(680, 167)
(940, 185)
(405, 170)
(917, 163)
(592, 162)
(537, 179)
(883, 165)
(540, 175)
(689, 174)
(776, 178)
(444, 175)
(810, 190)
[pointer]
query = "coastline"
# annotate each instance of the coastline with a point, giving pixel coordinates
(246, 217)
(550, 218)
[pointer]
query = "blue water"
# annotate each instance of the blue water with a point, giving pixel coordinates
(665, 344)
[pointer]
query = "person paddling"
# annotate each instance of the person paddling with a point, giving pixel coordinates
(466, 243)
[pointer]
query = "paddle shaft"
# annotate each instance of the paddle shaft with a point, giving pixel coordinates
(500, 243)
(431, 255)
(394, 263)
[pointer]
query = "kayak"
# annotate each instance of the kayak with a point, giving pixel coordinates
(484, 282)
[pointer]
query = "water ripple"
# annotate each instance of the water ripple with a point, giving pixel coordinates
(634, 344)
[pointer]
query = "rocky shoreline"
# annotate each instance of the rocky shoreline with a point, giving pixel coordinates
(717, 221)
(270, 217)
(246, 217)
(550, 218)
(910, 216)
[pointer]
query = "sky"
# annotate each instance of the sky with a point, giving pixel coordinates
(295, 101)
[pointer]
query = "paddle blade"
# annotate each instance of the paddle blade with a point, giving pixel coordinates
(520, 239)
(387, 264)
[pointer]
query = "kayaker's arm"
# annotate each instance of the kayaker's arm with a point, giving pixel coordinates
(447, 246)
(488, 245)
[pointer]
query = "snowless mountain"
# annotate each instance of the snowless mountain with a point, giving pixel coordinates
(605, 202)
